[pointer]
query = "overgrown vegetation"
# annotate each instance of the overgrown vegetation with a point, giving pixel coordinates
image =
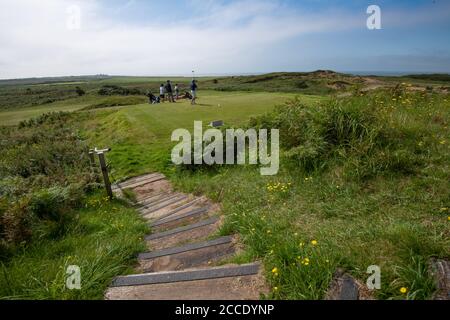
(44, 174)
(110, 90)
(363, 181)
(51, 215)
(103, 240)
(364, 137)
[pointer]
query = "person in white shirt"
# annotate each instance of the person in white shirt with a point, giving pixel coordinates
(162, 93)
(177, 92)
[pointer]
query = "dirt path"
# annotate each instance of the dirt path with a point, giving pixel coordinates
(186, 259)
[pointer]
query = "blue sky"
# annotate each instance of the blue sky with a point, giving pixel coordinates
(141, 37)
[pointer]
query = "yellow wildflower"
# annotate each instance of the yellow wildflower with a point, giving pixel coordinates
(403, 290)
(314, 242)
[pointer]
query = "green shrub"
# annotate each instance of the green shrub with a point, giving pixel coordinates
(80, 91)
(365, 136)
(45, 172)
(110, 90)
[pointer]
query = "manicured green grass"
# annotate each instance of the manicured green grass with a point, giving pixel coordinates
(141, 135)
(103, 241)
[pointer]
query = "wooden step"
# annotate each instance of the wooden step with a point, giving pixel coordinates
(125, 183)
(140, 183)
(157, 211)
(187, 256)
(222, 283)
(149, 198)
(181, 219)
(194, 232)
(147, 205)
(183, 208)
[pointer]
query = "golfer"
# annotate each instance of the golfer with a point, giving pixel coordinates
(177, 92)
(162, 92)
(194, 88)
(169, 91)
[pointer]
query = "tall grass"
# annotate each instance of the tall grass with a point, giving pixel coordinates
(103, 241)
(366, 177)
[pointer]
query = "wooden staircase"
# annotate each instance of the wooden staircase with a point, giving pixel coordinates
(185, 258)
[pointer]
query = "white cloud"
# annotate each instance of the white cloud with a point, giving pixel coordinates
(36, 42)
(221, 38)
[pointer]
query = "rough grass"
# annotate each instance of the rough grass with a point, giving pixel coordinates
(349, 212)
(361, 209)
(103, 241)
(386, 207)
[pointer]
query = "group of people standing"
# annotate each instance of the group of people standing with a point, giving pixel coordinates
(171, 93)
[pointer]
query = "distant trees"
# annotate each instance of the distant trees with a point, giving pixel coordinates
(80, 91)
(110, 90)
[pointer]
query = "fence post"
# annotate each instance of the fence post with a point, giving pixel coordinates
(104, 167)
(92, 158)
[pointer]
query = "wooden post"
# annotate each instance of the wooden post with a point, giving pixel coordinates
(101, 157)
(92, 158)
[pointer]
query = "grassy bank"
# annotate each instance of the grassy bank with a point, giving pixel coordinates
(53, 214)
(103, 241)
(362, 182)
(140, 135)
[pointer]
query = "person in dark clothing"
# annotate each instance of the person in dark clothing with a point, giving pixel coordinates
(169, 91)
(152, 99)
(194, 88)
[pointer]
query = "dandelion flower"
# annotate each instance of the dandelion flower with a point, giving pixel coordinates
(314, 242)
(403, 290)
(275, 289)
(275, 270)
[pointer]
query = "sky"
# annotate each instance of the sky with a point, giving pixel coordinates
(146, 37)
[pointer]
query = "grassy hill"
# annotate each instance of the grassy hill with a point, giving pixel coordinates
(363, 180)
(366, 177)
(50, 94)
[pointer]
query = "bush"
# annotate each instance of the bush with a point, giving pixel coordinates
(110, 90)
(354, 134)
(45, 171)
(80, 91)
